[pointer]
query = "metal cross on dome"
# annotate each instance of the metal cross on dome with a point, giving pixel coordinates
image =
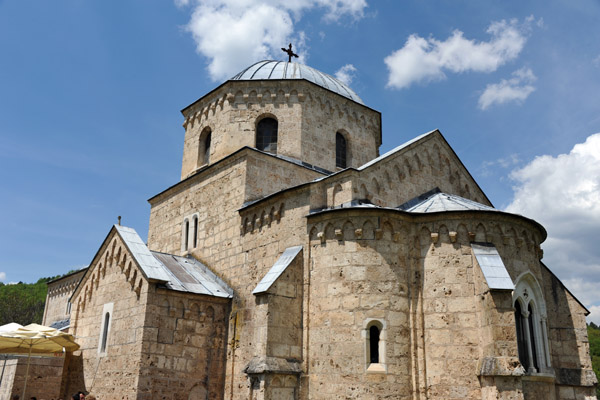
(290, 53)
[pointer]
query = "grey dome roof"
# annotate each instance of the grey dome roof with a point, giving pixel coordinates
(268, 69)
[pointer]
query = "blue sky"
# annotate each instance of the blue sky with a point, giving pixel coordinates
(90, 93)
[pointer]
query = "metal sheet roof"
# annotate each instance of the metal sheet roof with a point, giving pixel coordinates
(439, 202)
(491, 265)
(151, 268)
(269, 69)
(277, 269)
(186, 274)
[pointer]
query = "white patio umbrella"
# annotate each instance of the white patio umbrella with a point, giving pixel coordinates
(6, 328)
(35, 339)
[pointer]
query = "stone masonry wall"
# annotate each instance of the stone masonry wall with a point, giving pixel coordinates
(112, 278)
(308, 118)
(59, 292)
(184, 346)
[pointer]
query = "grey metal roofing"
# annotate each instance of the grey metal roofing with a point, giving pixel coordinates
(150, 266)
(439, 202)
(491, 265)
(277, 269)
(186, 274)
(269, 69)
(62, 324)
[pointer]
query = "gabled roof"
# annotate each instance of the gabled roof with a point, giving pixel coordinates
(183, 274)
(151, 267)
(436, 201)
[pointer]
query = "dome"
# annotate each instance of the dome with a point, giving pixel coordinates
(269, 69)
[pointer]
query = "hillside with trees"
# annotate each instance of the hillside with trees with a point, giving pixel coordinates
(23, 303)
(594, 337)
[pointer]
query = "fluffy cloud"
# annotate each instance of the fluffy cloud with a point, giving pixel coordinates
(517, 89)
(233, 34)
(563, 194)
(346, 74)
(426, 60)
(2, 276)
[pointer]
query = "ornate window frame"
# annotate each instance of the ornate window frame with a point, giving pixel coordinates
(532, 327)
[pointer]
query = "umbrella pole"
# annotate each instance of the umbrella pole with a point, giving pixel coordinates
(27, 371)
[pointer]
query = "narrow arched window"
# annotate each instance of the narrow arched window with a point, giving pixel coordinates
(204, 147)
(532, 338)
(521, 336)
(105, 333)
(340, 150)
(266, 135)
(195, 237)
(186, 234)
(207, 148)
(374, 344)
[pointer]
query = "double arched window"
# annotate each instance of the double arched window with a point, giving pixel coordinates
(530, 321)
(266, 135)
(341, 151)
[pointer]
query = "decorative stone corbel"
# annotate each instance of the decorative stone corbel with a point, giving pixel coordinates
(378, 233)
(520, 242)
(245, 96)
(301, 97)
(358, 233)
(267, 219)
(276, 215)
(230, 97)
(249, 226)
(506, 240)
(321, 236)
(435, 237)
(258, 222)
(339, 235)
(273, 96)
(453, 236)
(259, 97)
(287, 97)
(471, 236)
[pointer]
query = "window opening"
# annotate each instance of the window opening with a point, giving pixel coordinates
(266, 135)
(532, 338)
(340, 150)
(521, 338)
(186, 235)
(105, 333)
(207, 149)
(374, 344)
(195, 232)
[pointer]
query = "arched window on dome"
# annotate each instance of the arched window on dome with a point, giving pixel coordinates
(530, 321)
(204, 147)
(266, 135)
(341, 151)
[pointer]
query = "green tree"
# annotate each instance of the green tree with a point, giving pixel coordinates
(594, 338)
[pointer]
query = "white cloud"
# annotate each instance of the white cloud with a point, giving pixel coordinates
(2, 276)
(426, 60)
(594, 314)
(517, 89)
(346, 74)
(563, 194)
(233, 34)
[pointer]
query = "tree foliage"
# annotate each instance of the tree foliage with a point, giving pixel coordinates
(594, 338)
(24, 303)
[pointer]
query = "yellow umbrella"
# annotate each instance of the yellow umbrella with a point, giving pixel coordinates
(35, 339)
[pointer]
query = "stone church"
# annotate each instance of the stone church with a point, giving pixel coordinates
(293, 261)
